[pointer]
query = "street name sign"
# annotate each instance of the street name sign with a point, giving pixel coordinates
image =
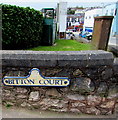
(35, 78)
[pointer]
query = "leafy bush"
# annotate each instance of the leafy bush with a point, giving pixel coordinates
(21, 27)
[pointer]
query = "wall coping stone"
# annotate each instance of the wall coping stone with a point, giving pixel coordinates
(22, 58)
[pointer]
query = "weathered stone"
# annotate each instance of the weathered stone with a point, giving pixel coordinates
(115, 68)
(11, 98)
(63, 90)
(21, 90)
(49, 102)
(112, 96)
(109, 113)
(107, 73)
(92, 110)
(10, 103)
(55, 103)
(53, 92)
(59, 105)
(39, 88)
(113, 92)
(24, 104)
(21, 96)
(0, 101)
(75, 97)
(52, 72)
(59, 110)
(90, 64)
(36, 105)
(8, 95)
(34, 96)
(64, 101)
(6, 88)
(77, 72)
(44, 107)
(22, 73)
(75, 110)
(116, 109)
(78, 104)
(81, 85)
(36, 88)
(93, 100)
(42, 90)
(10, 88)
(102, 90)
(104, 111)
(64, 72)
(113, 80)
(7, 92)
(104, 99)
(108, 104)
(56, 58)
(91, 72)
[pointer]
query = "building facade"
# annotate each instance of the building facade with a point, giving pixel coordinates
(89, 17)
(73, 20)
(112, 10)
(61, 18)
(108, 10)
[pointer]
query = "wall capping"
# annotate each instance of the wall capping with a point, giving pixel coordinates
(20, 58)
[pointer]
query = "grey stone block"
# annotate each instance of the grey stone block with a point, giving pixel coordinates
(114, 49)
(115, 67)
(56, 58)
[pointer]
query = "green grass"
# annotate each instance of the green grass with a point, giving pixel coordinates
(64, 45)
(8, 105)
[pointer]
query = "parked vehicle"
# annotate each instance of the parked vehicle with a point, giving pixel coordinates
(89, 36)
(86, 34)
(69, 33)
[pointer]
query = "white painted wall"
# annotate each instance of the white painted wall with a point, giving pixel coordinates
(89, 17)
(110, 10)
(62, 14)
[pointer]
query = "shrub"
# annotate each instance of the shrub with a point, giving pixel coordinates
(21, 27)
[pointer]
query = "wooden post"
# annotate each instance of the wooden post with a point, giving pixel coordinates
(101, 32)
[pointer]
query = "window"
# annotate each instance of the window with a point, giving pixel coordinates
(73, 19)
(112, 11)
(69, 24)
(68, 19)
(106, 12)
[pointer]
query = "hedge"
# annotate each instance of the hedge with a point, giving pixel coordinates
(21, 27)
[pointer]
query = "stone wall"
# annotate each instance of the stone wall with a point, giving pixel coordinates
(93, 74)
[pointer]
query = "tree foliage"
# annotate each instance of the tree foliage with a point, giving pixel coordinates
(70, 12)
(21, 27)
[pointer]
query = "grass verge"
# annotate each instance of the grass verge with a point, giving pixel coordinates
(64, 45)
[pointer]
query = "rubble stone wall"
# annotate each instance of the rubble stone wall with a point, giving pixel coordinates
(93, 78)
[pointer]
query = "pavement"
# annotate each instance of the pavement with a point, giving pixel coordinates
(15, 112)
(79, 39)
(113, 45)
(113, 40)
